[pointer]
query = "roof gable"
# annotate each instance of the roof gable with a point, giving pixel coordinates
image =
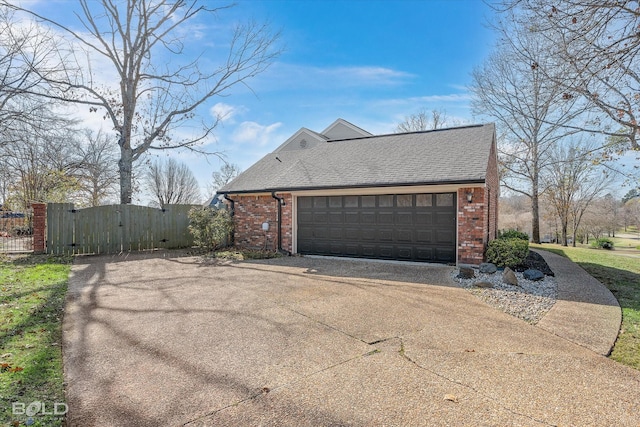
(303, 139)
(342, 129)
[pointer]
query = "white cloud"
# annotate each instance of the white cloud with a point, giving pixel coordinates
(255, 133)
(453, 97)
(225, 112)
(365, 75)
(295, 76)
(448, 102)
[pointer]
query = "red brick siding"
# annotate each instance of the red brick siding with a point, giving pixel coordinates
(287, 222)
(39, 227)
(251, 212)
(478, 220)
(472, 225)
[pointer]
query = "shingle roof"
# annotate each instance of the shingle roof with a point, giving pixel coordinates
(455, 155)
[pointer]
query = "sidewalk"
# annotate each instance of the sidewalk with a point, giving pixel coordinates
(586, 312)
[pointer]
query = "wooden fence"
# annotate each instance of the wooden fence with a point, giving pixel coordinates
(116, 228)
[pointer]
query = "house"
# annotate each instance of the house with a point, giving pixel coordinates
(420, 196)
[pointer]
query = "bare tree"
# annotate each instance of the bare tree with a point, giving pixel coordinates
(23, 48)
(227, 172)
(631, 213)
(529, 108)
(515, 213)
(42, 166)
(591, 225)
(436, 119)
(172, 182)
(610, 213)
(142, 43)
(597, 43)
(98, 176)
(5, 179)
(573, 183)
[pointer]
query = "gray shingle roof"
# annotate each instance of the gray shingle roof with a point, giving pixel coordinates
(455, 155)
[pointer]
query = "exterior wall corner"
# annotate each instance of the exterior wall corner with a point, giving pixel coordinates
(251, 211)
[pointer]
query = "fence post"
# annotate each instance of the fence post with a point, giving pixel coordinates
(39, 227)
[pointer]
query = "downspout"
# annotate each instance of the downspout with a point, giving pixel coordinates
(232, 212)
(281, 203)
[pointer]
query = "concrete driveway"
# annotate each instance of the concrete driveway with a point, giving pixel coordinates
(163, 340)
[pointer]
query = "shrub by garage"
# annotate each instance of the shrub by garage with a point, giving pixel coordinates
(507, 252)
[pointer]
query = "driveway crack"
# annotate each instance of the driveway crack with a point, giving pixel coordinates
(325, 324)
(266, 390)
(402, 353)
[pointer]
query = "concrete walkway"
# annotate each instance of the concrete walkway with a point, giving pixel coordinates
(586, 312)
(159, 339)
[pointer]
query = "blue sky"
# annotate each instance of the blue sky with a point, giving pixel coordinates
(369, 62)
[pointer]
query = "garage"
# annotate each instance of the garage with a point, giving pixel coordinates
(418, 196)
(410, 227)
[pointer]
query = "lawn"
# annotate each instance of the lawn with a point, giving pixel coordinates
(621, 274)
(32, 293)
(629, 241)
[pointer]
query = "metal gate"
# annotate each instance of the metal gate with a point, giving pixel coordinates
(16, 231)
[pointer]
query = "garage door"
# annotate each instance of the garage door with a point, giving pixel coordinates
(412, 227)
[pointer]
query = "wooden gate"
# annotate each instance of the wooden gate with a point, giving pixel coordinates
(116, 228)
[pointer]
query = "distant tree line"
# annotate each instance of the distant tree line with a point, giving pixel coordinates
(562, 85)
(602, 216)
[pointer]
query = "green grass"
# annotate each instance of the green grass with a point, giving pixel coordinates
(32, 294)
(621, 274)
(625, 242)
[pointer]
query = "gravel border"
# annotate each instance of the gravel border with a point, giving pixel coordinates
(529, 301)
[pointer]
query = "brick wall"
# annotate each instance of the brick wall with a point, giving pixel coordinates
(287, 222)
(252, 211)
(39, 227)
(478, 220)
(471, 225)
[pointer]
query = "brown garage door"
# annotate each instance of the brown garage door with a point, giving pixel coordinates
(413, 227)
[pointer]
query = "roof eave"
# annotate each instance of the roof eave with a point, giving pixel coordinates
(344, 187)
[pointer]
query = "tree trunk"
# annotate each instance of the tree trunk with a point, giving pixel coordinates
(535, 212)
(564, 234)
(125, 167)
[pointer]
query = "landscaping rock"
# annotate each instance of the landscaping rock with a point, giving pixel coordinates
(483, 284)
(535, 261)
(487, 267)
(509, 277)
(533, 274)
(466, 273)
